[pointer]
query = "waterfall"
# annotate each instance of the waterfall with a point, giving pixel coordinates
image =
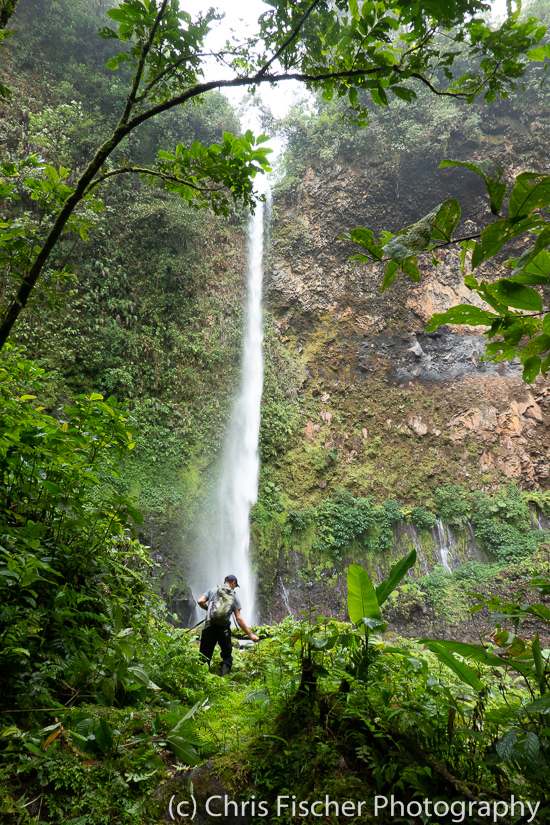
(227, 548)
(443, 547)
(419, 553)
(285, 597)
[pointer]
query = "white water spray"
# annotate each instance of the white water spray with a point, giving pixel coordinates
(229, 534)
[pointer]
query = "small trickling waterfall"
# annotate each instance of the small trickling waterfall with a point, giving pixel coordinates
(443, 546)
(419, 552)
(285, 597)
(227, 550)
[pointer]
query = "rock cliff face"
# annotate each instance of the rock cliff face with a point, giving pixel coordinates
(387, 409)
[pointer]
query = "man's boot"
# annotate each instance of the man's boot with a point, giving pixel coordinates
(225, 669)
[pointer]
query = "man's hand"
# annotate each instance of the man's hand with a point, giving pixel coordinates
(253, 637)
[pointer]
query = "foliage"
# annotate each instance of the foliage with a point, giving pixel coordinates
(422, 518)
(343, 519)
(280, 415)
(76, 603)
(516, 317)
(444, 725)
(390, 515)
(452, 504)
(162, 48)
(503, 523)
(364, 602)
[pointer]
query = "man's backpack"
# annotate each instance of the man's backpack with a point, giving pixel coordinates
(222, 606)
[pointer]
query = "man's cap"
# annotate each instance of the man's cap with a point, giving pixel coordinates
(232, 579)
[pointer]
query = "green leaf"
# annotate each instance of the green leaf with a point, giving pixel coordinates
(539, 664)
(185, 752)
(462, 314)
(532, 267)
(446, 220)
(464, 673)
(392, 269)
(494, 236)
(118, 15)
(362, 601)
(538, 344)
(52, 175)
(531, 368)
(512, 294)
(103, 736)
(468, 651)
(514, 333)
(494, 184)
(365, 238)
(186, 716)
(541, 705)
(531, 191)
(541, 611)
(403, 94)
(506, 746)
(539, 54)
(397, 573)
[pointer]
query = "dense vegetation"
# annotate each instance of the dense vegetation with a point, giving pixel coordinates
(105, 705)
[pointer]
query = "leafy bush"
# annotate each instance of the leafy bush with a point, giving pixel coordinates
(504, 524)
(390, 514)
(342, 520)
(452, 504)
(422, 518)
(75, 600)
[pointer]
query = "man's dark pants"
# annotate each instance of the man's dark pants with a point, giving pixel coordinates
(217, 634)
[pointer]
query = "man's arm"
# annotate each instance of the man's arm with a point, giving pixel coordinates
(201, 601)
(242, 625)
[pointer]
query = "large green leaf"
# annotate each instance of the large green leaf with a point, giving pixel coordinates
(185, 752)
(103, 736)
(531, 267)
(366, 239)
(538, 344)
(462, 314)
(531, 368)
(531, 191)
(541, 611)
(512, 294)
(496, 187)
(464, 673)
(413, 239)
(476, 652)
(392, 269)
(497, 234)
(446, 220)
(397, 573)
(362, 601)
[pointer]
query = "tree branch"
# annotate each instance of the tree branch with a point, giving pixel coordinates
(131, 99)
(288, 41)
(139, 170)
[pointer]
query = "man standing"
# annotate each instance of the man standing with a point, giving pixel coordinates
(220, 603)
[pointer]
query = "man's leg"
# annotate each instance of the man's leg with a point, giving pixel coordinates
(224, 639)
(209, 637)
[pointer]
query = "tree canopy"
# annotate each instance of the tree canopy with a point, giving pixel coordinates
(342, 48)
